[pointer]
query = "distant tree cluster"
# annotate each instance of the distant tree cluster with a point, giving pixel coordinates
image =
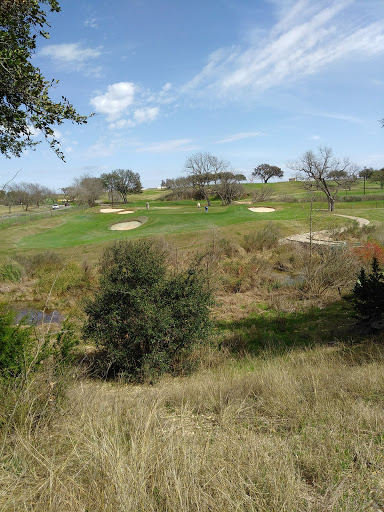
(207, 176)
(25, 194)
(119, 183)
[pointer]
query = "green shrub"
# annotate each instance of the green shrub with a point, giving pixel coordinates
(142, 317)
(15, 346)
(10, 272)
(368, 294)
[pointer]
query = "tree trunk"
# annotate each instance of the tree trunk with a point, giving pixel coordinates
(331, 205)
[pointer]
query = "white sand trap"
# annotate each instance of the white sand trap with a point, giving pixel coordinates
(125, 226)
(262, 209)
(110, 210)
(125, 212)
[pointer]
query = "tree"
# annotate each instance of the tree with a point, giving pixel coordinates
(266, 172)
(25, 105)
(324, 172)
(203, 171)
(124, 181)
(87, 189)
(365, 174)
(142, 317)
(378, 177)
(228, 187)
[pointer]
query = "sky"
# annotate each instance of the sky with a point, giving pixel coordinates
(250, 81)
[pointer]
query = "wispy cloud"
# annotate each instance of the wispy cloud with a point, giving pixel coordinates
(239, 136)
(169, 146)
(307, 38)
(91, 22)
(338, 116)
(73, 55)
(70, 52)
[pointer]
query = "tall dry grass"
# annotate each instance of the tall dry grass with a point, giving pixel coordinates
(302, 432)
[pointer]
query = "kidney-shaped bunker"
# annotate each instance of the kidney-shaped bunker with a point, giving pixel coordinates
(125, 226)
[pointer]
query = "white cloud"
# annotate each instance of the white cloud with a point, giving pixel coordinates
(145, 115)
(115, 102)
(169, 146)
(70, 52)
(239, 136)
(307, 38)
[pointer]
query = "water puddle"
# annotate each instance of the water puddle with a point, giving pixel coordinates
(34, 317)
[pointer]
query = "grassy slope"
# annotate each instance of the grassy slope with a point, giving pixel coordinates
(289, 430)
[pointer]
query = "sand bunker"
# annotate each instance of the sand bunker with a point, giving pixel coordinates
(111, 210)
(125, 212)
(262, 209)
(125, 226)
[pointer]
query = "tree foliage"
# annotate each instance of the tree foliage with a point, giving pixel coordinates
(378, 177)
(266, 172)
(25, 104)
(123, 181)
(368, 294)
(141, 316)
(324, 172)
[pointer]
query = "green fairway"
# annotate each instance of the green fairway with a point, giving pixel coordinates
(92, 227)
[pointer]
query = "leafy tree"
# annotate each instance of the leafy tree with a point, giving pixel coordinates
(123, 181)
(266, 172)
(25, 105)
(378, 177)
(368, 294)
(203, 170)
(141, 316)
(365, 174)
(322, 171)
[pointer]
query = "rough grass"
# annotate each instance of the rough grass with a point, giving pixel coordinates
(301, 432)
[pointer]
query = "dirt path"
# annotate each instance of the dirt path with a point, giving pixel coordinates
(324, 237)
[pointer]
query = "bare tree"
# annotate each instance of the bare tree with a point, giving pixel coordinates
(324, 172)
(87, 189)
(229, 187)
(203, 170)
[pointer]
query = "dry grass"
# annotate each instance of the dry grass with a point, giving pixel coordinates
(303, 432)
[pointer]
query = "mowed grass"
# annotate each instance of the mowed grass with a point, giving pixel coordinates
(92, 227)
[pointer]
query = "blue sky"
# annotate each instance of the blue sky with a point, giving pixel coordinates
(251, 81)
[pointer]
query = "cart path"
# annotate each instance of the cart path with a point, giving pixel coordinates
(324, 237)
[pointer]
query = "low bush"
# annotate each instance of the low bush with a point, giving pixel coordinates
(266, 238)
(368, 294)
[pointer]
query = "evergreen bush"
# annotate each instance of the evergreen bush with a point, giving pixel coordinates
(142, 317)
(368, 294)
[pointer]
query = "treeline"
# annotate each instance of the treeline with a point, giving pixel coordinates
(26, 194)
(118, 184)
(86, 189)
